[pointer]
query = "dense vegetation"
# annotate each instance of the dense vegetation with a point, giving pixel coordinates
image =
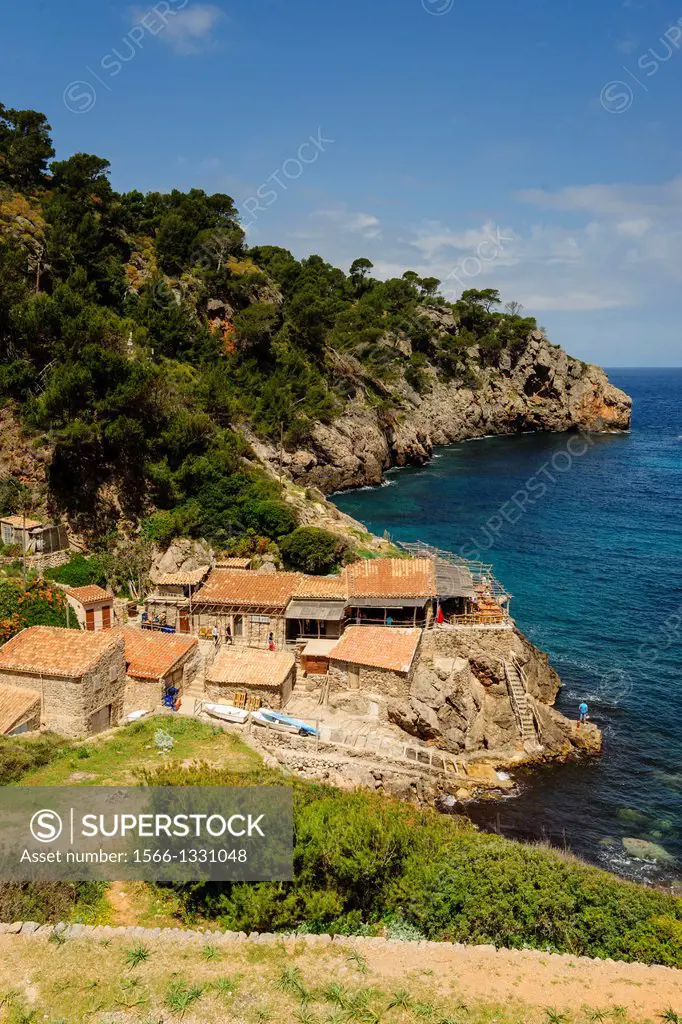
(363, 862)
(38, 605)
(142, 337)
(366, 864)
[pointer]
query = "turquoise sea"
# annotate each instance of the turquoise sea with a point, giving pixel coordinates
(595, 567)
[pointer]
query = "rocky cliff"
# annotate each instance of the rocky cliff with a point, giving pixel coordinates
(461, 698)
(539, 389)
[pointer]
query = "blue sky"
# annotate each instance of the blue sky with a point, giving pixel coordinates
(530, 146)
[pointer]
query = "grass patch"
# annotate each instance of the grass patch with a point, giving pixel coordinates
(76, 981)
(119, 758)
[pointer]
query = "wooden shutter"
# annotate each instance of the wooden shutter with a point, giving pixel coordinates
(90, 619)
(106, 617)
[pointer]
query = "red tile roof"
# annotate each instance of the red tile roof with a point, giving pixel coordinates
(234, 563)
(250, 589)
(333, 587)
(388, 647)
(249, 666)
(54, 651)
(89, 595)
(152, 655)
(18, 521)
(392, 577)
(188, 578)
(15, 706)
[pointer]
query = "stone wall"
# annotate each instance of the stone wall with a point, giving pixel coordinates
(378, 682)
(254, 634)
(275, 697)
(70, 706)
(141, 693)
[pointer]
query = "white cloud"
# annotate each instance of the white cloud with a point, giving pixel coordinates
(584, 248)
(618, 200)
(364, 224)
(188, 31)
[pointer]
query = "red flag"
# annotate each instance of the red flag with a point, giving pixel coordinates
(439, 615)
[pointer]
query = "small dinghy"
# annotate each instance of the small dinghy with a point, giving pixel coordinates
(135, 716)
(282, 723)
(227, 712)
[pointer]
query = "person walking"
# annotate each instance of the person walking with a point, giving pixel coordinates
(216, 636)
(228, 634)
(583, 709)
(271, 642)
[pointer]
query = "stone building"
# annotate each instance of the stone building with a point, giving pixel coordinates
(78, 675)
(154, 662)
(318, 608)
(378, 660)
(33, 537)
(391, 591)
(171, 601)
(19, 710)
(93, 607)
(251, 677)
(234, 563)
(252, 604)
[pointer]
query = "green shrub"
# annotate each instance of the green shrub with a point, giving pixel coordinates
(365, 862)
(313, 550)
(19, 754)
(79, 571)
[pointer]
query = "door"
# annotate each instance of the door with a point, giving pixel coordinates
(106, 617)
(184, 621)
(100, 720)
(90, 619)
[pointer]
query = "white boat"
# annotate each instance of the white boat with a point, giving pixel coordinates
(227, 712)
(282, 723)
(135, 716)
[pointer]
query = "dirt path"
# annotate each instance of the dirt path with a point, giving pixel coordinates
(124, 912)
(535, 979)
(525, 983)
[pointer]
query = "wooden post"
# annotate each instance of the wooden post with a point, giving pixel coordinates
(23, 545)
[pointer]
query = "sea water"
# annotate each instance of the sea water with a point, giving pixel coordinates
(595, 567)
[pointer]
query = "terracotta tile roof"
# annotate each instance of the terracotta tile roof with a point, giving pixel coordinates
(151, 655)
(248, 666)
(31, 524)
(248, 589)
(15, 704)
(55, 651)
(234, 563)
(190, 578)
(388, 647)
(333, 587)
(392, 577)
(89, 595)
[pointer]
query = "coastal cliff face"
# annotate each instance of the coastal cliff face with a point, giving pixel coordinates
(544, 389)
(460, 699)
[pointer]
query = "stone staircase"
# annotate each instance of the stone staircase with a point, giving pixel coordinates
(519, 699)
(196, 689)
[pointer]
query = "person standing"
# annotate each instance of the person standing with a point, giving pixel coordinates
(228, 634)
(216, 636)
(271, 642)
(583, 709)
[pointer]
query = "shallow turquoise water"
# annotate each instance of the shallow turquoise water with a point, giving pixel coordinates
(595, 567)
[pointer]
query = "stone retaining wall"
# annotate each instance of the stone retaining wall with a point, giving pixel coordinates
(30, 929)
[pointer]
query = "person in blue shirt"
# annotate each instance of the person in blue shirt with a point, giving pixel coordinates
(583, 709)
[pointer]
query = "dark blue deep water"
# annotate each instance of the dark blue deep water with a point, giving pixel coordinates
(595, 567)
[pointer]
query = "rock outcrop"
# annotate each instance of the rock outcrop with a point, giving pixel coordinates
(460, 699)
(543, 389)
